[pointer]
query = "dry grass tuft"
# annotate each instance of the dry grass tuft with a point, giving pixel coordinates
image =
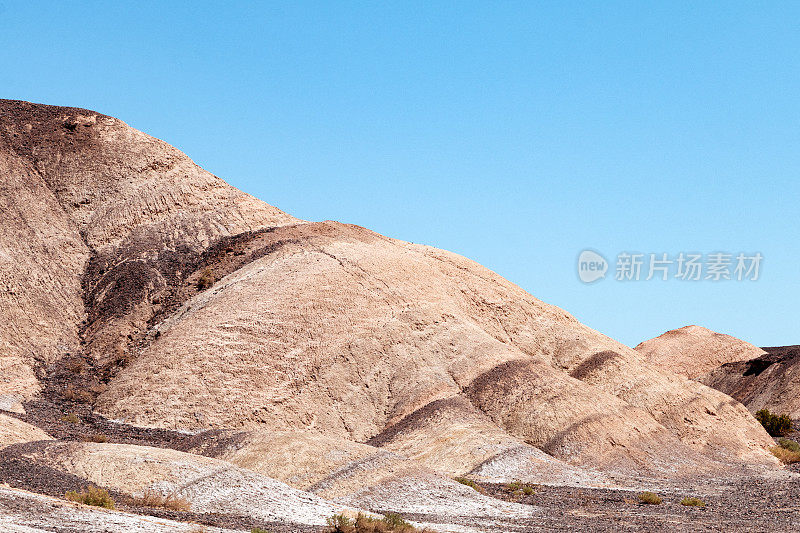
(469, 483)
(693, 502)
(650, 498)
(205, 280)
(76, 366)
(785, 455)
(72, 418)
(96, 437)
(151, 498)
(91, 496)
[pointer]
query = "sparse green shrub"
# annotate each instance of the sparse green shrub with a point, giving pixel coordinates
(396, 522)
(650, 498)
(259, 530)
(339, 523)
(519, 488)
(776, 425)
(790, 445)
(205, 280)
(391, 523)
(91, 496)
(468, 483)
(693, 502)
(513, 486)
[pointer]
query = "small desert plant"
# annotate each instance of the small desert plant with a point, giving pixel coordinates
(468, 483)
(650, 498)
(391, 523)
(97, 437)
(517, 488)
(397, 523)
(72, 418)
(785, 455)
(776, 425)
(91, 496)
(693, 502)
(259, 530)
(151, 498)
(790, 445)
(205, 280)
(339, 523)
(75, 395)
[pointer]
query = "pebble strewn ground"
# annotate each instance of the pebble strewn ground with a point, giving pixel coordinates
(746, 505)
(749, 504)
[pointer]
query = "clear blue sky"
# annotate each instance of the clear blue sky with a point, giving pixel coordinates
(516, 134)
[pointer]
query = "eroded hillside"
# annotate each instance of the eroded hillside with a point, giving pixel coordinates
(136, 287)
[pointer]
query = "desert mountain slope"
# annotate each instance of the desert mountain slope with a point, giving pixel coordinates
(770, 381)
(95, 212)
(344, 331)
(153, 290)
(42, 257)
(693, 350)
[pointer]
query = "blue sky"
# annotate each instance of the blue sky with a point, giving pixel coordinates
(514, 133)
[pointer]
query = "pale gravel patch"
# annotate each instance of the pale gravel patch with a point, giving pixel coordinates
(456, 528)
(236, 491)
(531, 465)
(438, 496)
(11, 403)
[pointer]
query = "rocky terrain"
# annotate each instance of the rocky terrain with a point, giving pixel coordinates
(162, 332)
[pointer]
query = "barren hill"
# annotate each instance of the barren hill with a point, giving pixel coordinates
(693, 350)
(136, 283)
(757, 377)
(98, 220)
